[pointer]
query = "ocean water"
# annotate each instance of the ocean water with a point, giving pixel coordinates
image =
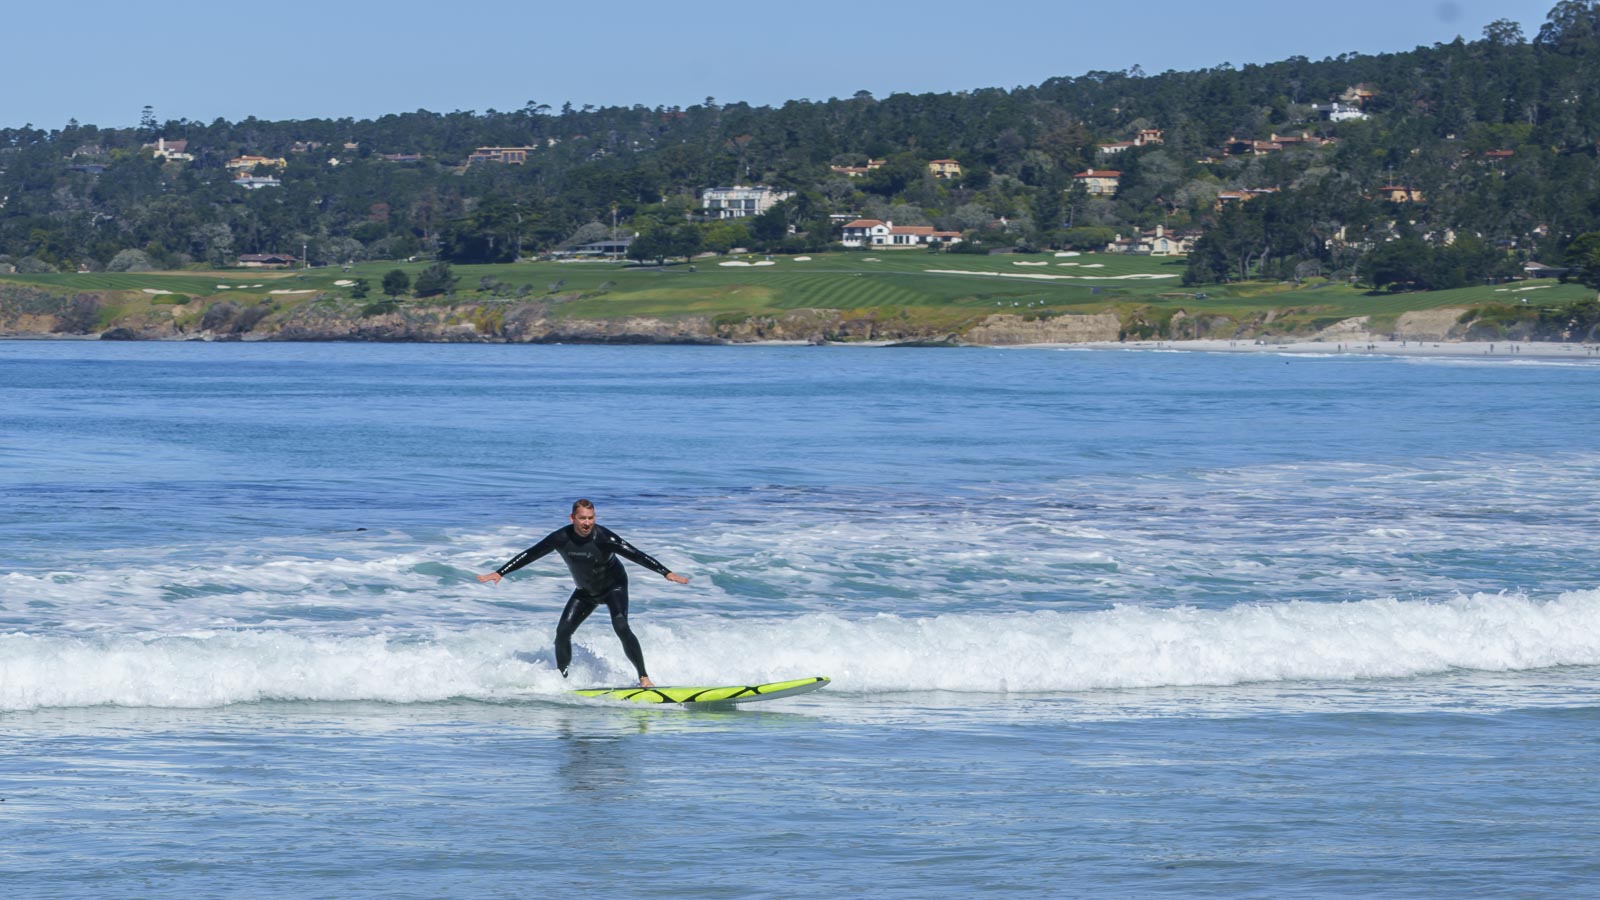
(1099, 622)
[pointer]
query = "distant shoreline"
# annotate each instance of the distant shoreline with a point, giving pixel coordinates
(1509, 350)
(1500, 350)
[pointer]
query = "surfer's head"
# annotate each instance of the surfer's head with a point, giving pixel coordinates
(582, 517)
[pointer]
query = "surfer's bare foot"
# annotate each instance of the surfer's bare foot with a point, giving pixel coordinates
(644, 681)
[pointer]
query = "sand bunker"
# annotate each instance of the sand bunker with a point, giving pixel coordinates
(1068, 253)
(155, 291)
(802, 259)
(307, 291)
(1030, 264)
(344, 282)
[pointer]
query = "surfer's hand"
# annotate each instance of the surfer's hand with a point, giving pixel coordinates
(490, 578)
(676, 579)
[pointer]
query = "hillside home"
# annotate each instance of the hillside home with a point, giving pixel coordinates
(944, 168)
(172, 151)
(1534, 269)
(1099, 182)
(1395, 193)
(1239, 147)
(1243, 195)
(305, 146)
(1303, 139)
(1358, 94)
(1497, 159)
(401, 157)
(510, 156)
(857, 171)
(266, 260)
(739, 201)
(1159, 242)
(877, 233)
(257, 182)
(250, 162)
(1145, 138)
(1340, 112)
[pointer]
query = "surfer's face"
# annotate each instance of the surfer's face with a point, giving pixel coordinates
(583, 520)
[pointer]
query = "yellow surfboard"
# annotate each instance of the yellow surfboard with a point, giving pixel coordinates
(714, 696)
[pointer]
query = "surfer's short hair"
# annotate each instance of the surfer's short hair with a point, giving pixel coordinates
(581, 503)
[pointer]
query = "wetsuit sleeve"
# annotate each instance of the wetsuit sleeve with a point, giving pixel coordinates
(532, 553)
(628, 551)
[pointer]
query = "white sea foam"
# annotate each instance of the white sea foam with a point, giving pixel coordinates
(1125, 647)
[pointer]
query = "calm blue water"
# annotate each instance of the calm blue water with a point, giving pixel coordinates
(1098, 622)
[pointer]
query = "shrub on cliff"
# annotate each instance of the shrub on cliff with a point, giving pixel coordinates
(218, 317)
(81, 315)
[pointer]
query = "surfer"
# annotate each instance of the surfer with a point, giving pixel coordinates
(590, 552)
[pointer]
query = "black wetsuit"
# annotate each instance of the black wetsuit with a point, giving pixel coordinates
(600, 579)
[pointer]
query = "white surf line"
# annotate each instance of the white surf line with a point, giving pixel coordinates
(1041, 276)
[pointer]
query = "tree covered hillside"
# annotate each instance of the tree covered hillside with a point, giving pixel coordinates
(1430, 168)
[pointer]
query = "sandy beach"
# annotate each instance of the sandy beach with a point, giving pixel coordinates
(1466, 349)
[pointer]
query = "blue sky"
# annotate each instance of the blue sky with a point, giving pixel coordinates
(101, 62)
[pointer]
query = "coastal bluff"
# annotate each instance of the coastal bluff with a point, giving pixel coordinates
(29, 312)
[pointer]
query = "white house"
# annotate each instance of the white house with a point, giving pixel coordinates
(1339, 112)
(877, 233)
(738, 202)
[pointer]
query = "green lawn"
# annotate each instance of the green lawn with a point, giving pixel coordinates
(894, 280)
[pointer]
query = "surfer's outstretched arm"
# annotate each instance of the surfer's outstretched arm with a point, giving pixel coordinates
(521, 559)
(629, 552)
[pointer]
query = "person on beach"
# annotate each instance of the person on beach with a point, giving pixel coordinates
(590, 552)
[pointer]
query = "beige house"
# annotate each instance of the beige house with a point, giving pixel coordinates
(1159, 242)
(1395, 193)
(944, 168)
(172, 151)
(1244, 195)
(510, 156)
(1099, 182)
(250, 162)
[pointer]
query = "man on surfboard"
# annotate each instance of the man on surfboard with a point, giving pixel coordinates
(590, 552)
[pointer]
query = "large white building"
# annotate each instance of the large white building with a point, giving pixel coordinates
(878, 233)
(737, 202)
